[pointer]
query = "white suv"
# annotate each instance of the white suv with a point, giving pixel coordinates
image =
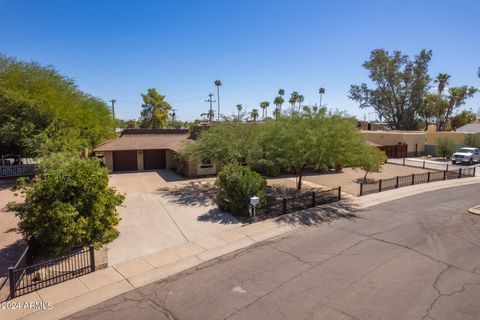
(468, 155)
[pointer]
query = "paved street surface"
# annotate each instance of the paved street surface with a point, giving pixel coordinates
(413, 258)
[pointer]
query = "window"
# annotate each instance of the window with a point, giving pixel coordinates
(206, 163)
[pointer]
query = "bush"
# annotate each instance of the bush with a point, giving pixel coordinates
(69, 206)
(237, 184)
(472, 140)
(445, 147)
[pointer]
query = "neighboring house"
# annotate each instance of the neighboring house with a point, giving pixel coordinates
(470, 128)
(150, 149)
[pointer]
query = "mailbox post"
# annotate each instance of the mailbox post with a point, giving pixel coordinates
(254, 202)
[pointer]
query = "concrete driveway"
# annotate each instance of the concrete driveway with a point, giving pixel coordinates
(154, 220)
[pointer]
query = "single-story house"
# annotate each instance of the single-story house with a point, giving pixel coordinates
(150, 149)
(473, 127)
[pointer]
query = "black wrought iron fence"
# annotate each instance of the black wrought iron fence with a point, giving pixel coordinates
(299, 202)
(25, 277)
(403, 181)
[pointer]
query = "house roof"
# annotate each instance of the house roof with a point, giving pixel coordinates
(146, 140)
(472, 127)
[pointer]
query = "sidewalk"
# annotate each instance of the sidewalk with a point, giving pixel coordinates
(80, 293)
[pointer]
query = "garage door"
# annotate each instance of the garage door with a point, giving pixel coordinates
(154, 159)
(125, 160)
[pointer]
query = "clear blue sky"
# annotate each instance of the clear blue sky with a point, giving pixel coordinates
(118, 49)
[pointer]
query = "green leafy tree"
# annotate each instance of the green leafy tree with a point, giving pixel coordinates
(446, 147)
(463, 118)
(236, 185)
(400, 87)
(42, 110)
(472, 140)
(371, 160)
(155, 110)
(69, 206)
(294, 142)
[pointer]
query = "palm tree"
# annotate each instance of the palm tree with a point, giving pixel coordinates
(478, 72)
(442, 80)
(281, 92)
(218, 83)
(210, 115)
(293, 99)
(254, 114)
(276, 113)
(264, 105)
(300, 100)
(321, 91)
(239, 108)
(278, 101)
(203, 115)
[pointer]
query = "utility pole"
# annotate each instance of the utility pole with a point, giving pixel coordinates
(210, 113)
(173, 116)
(113, 115)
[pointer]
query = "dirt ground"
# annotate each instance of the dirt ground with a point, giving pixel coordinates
(348, 177)
(11, 243)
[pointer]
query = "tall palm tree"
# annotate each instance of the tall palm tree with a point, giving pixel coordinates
(203, 115)
(218, 84)
(293, 99)
(321, 91)
(264, 105)
(239, 108)
(254, 114)
(281, 92)
(278, 101)
(300, 100)
(442, 80)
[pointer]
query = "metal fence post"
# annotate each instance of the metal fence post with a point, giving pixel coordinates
(396, 184)
(361, 188)
(92, 258)
(339, 193)
(11, 280)
(447, 166)
(284, 205)
(459, 173)
(445, 174)
(380, 185)
(413, 179)
(428, 177)
(403, 161)
(474, 168)
(423, 164)
(313, 198)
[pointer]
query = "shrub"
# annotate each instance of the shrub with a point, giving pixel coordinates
(69, 206)
(445, 147)
(472, 140)
(236, 185)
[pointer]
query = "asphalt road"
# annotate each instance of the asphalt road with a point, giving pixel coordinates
(414, 258)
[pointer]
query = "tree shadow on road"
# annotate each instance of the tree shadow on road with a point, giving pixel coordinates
(217, 216)
(191, 194)
(320, 214)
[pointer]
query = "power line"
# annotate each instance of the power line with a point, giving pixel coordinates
(210, 113)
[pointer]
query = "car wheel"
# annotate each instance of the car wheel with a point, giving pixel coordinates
(470, 162)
